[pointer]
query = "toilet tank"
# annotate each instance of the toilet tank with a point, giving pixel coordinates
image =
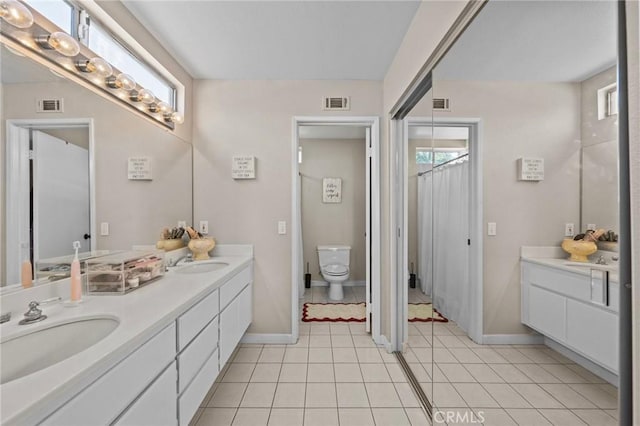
(328, 255)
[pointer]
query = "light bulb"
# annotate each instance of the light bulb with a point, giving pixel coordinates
(177, 118)
(95, 65)
(16, 14)
(143, 95)
(164, 107)
(174, 117)
(63, 43)
(122, 81)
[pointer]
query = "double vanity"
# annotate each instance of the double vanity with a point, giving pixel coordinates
(574, 305)
(148, 357)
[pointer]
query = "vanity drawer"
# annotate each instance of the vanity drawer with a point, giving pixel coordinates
(107, 397)
(196, 354)
(195, 319)
(233, 287)
(567, 283)
(190, 400)
(157, 405)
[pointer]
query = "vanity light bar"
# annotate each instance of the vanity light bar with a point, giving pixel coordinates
(40, 39)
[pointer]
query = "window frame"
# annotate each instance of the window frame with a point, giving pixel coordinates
(173, 98)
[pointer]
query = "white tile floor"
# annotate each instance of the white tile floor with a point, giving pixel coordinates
(335, 375)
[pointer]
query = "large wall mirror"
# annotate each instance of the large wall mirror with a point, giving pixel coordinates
(75, 185)
(525, 79)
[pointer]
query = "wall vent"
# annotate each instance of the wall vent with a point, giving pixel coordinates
(441, 104)
(331, 103)
(50, 105)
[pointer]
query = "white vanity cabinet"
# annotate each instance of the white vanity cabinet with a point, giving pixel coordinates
(235, 312)
(577, 310)
(197, 354)
(103, 401)
(163, 382)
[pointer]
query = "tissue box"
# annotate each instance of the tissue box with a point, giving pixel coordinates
(123, 272)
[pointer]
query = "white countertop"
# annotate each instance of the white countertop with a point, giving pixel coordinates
(555, 257)
(142, 313)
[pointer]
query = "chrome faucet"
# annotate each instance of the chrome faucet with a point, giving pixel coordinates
(601, 261)
(34, 314)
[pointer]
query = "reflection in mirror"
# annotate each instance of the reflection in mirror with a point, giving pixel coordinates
(526, 78)
(530, 74)
(90, 140)
(599, 172)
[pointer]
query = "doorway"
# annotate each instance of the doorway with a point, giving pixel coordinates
(47, 158)
(371, 237)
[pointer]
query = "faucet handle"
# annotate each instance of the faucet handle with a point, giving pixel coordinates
(33, 313)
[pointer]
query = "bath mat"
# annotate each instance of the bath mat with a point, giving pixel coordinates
(355, 312)
(333, 312)
(424, 312)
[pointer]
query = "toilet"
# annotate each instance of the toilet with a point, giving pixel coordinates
(334, 266)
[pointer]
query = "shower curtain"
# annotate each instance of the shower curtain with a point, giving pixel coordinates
(443, 230)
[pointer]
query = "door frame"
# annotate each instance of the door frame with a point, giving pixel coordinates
(15, 181)
(373, 123)
(399, 220)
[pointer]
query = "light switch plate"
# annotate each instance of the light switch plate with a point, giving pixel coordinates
(104, 229)
(282, 227)
(568, 230)
(204, 227)
(182, 224)
(491, 229)
(591, 226)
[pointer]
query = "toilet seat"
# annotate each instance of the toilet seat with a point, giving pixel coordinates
(336, 270)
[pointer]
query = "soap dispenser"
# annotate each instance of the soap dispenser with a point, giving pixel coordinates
(76, 282)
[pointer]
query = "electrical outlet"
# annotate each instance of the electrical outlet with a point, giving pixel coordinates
(204, 227)
(591, 226)
(104, 229)
(282, 227)
(568, 230)
(182, 224)
(491, 229)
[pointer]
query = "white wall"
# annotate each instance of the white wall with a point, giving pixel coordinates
(334, 223)
(255, 118)
(520, 119)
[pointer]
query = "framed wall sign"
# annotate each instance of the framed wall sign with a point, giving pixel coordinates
(139, 168)
(332, 190)
(243, 167)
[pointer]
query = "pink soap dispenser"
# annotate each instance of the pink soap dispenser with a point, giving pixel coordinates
(76, 282)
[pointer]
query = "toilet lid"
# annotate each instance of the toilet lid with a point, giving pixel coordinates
(336, 269)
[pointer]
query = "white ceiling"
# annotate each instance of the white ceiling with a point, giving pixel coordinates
(535, 41)
(280, 40)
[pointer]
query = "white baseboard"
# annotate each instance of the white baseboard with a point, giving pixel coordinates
(316, 283)
(512, 339)
(268, 339)
(384, 342)
(599, 371)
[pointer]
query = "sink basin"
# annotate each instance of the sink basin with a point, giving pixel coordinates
(27, 353)
(200, 267)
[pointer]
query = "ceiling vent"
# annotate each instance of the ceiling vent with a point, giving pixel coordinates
(50, 105)
(441, 104)
(330, 103)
